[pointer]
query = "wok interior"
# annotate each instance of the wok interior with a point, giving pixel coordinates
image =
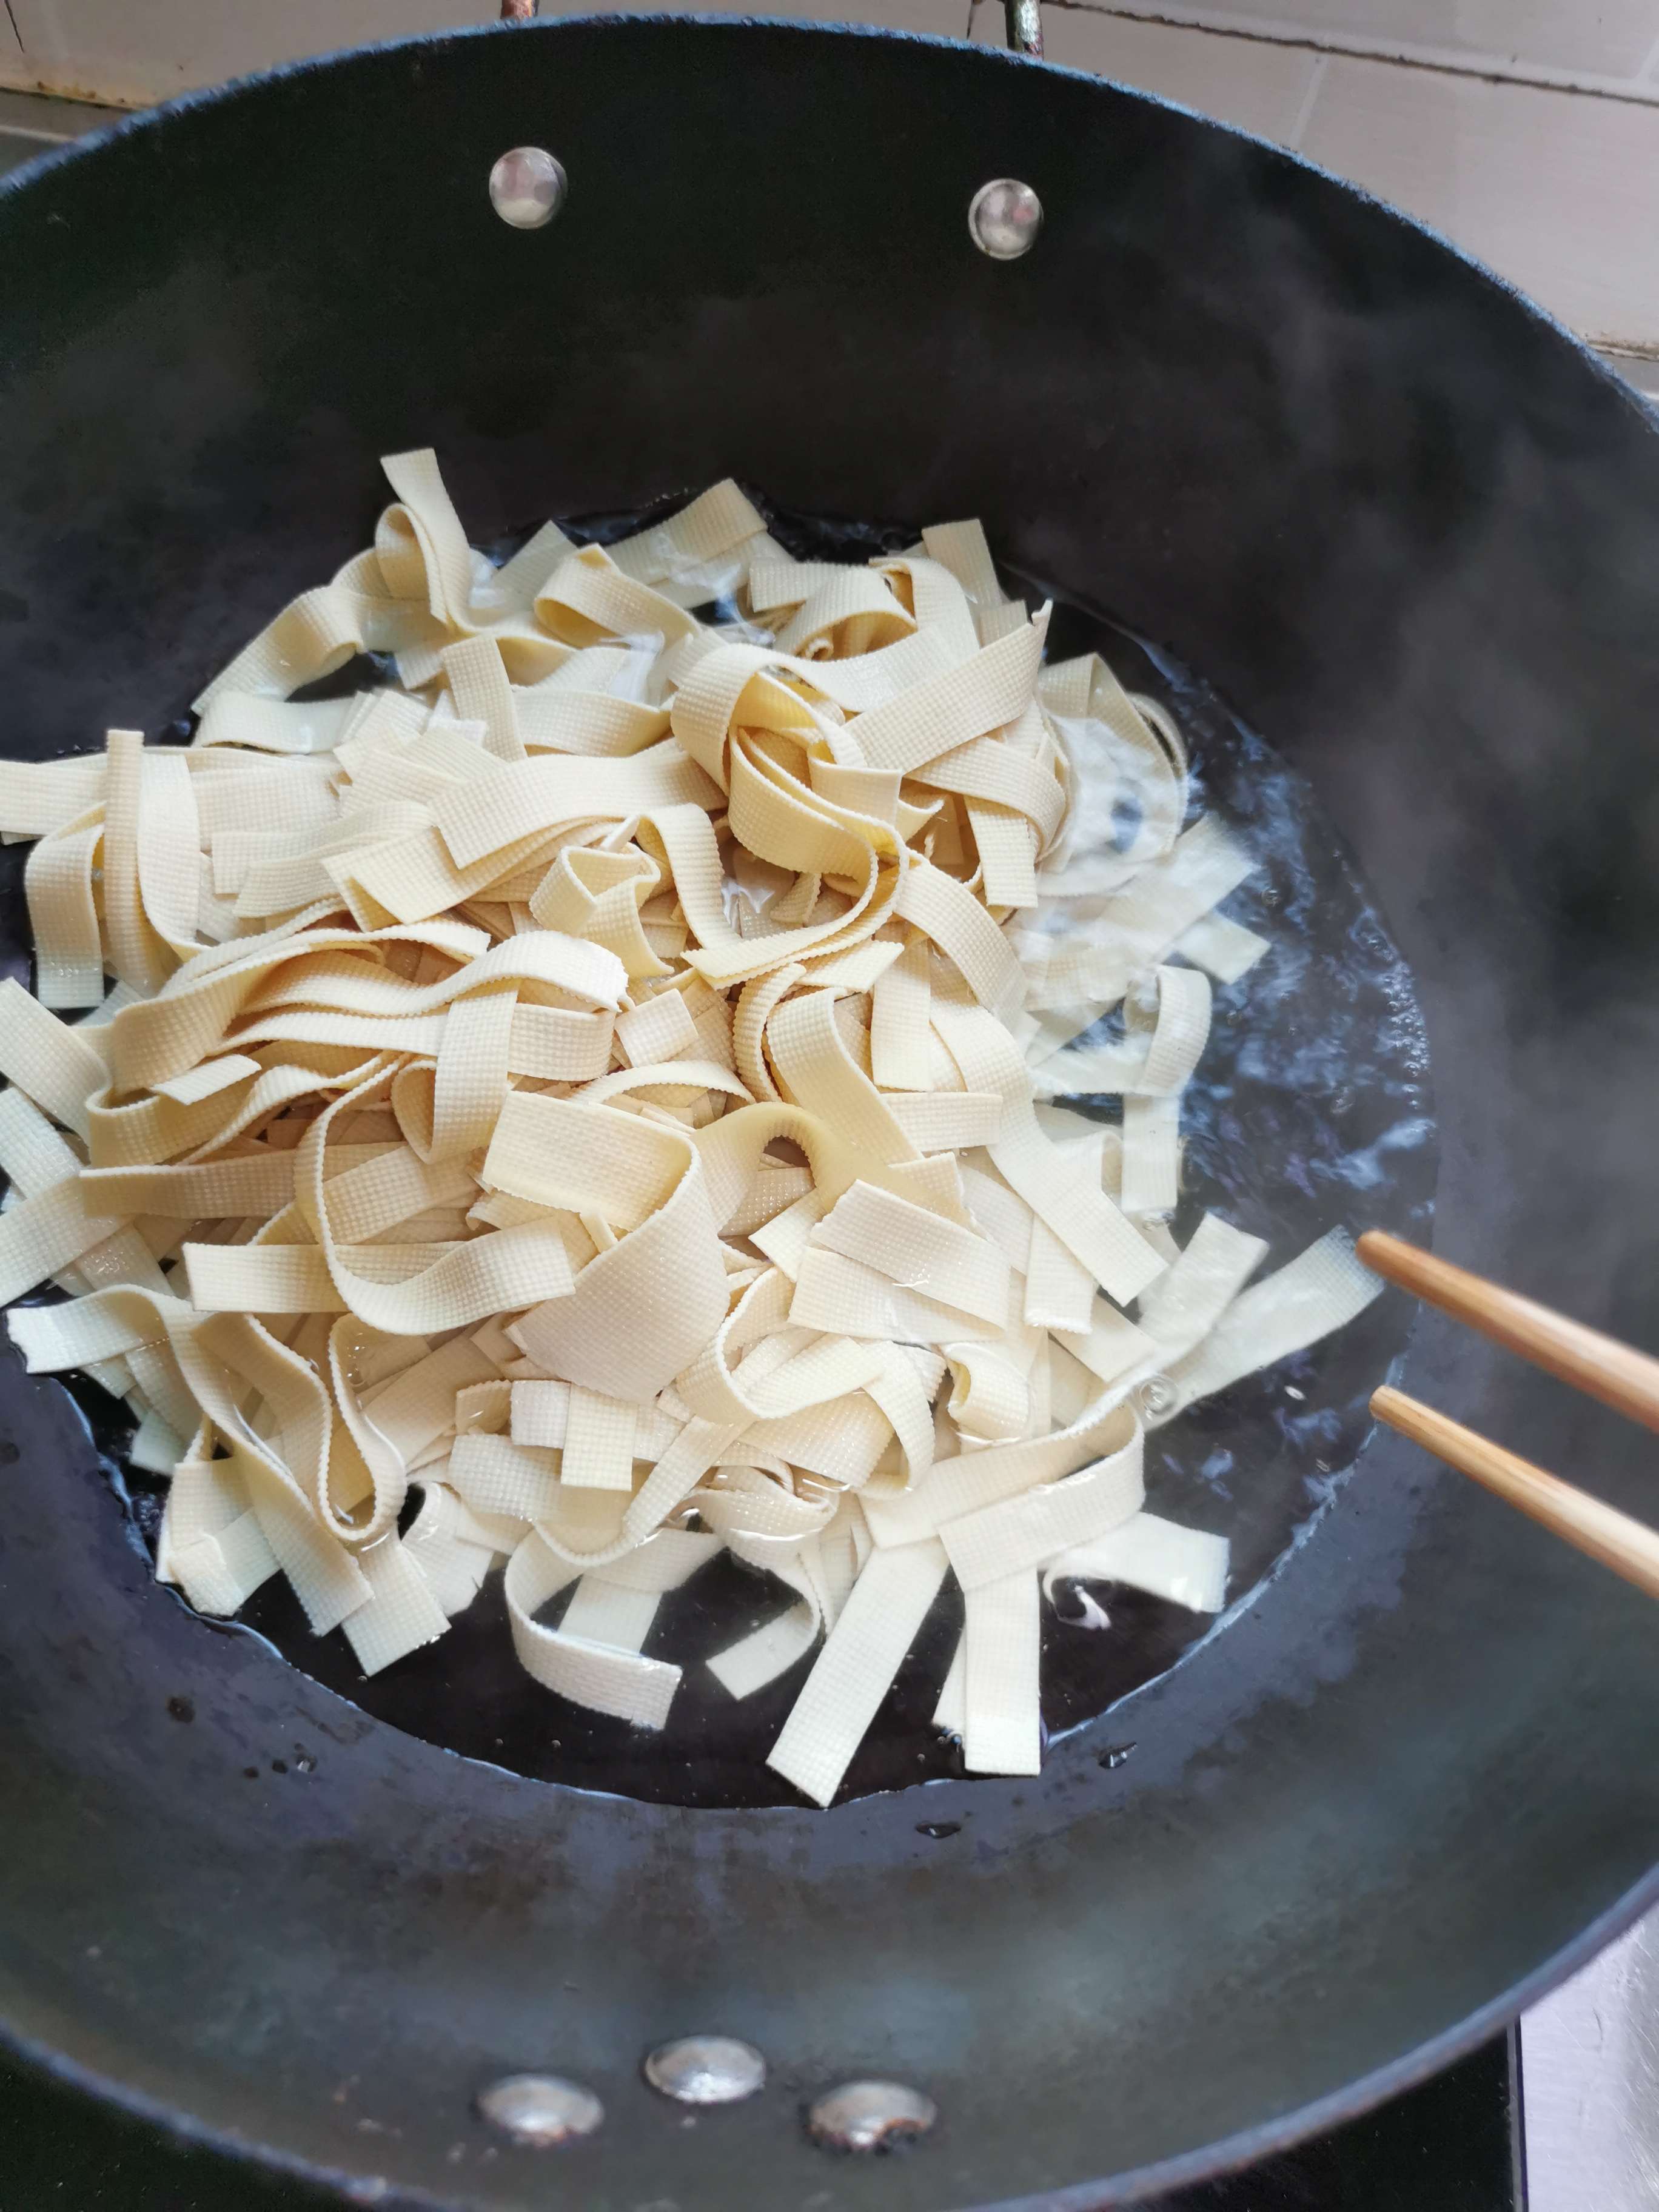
(1413, 536)
(1310, 1111)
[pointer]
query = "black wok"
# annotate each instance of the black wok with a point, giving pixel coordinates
(1411, 531)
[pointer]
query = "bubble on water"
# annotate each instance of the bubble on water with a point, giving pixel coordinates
(1156, 1396)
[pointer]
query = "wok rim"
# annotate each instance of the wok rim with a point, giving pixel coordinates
(137, 118)
(1233, 2153)
(1244, 2147)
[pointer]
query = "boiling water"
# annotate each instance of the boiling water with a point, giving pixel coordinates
(1310, 1109)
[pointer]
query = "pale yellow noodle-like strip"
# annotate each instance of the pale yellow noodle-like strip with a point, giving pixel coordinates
(589, 1079)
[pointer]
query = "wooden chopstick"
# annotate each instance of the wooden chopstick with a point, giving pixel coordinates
(1598, 1530)
(1599, 1365)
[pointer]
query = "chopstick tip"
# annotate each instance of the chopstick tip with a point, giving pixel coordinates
(1375, 1246)
(1387, 1402)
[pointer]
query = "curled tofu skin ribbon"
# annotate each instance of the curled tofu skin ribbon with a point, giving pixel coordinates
(609, 1079)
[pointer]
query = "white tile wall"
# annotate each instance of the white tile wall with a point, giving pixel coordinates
(943, 19)
(1557, 191)
(134, 52)
(1259, 86)
(1605, 39)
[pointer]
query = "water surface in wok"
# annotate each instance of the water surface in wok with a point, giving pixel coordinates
(1311, 1108)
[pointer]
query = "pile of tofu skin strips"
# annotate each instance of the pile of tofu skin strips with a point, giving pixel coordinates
(598, 1101)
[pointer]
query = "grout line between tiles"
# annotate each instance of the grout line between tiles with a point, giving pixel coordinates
(1304, 113)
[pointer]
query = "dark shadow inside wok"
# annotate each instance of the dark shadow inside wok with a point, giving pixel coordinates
(1411, 534)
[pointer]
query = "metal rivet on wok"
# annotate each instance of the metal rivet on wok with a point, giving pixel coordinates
(1003, 218)
(527, 187)
(871, 2116)
(705, 2069)
(541, 2109)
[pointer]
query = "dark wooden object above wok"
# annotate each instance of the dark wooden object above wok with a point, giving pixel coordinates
(1411, 529)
